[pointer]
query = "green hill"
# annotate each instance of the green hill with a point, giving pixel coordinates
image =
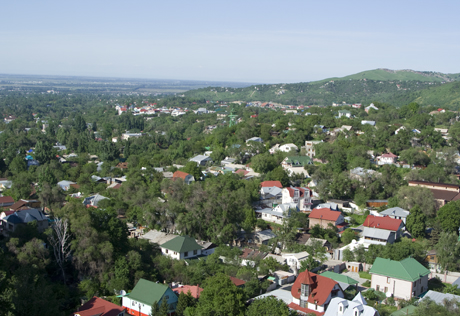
(395, 87)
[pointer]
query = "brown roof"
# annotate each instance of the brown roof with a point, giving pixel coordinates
(194, 290)
(6, 199)
(386, 222)
(271, 184)
(321, 287)
(237, 282)
(325, 214)
(252, 254)
(100, 307)
(437, 184)
(180, 174)
(445, 195)
(18, 205)
(122, 165)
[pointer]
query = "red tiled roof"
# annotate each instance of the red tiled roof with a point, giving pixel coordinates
(180, 174)
(266, 184)
(237, 282)
(304, 309)
(291, 191)
(320, 287)
(6, 199)
(242, 171)
(194, 290)
(98, 306)
(324, 213)
(386, 222)
(390, 155)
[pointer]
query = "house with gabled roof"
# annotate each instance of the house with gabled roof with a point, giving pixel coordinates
(298, 195)
(6, 201)
(194, 290)
(356, 307)
(382, 230)
(400, 279)
(145, 294)
(187, 178)
(312, 293)
(100, 307)
(181, 247)
(325, 216)
(396, 213)
(11, 220)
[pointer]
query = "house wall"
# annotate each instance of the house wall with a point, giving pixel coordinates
(321, 222)
(170, 253)
(397, 288)
(137, 308)
(190, 254)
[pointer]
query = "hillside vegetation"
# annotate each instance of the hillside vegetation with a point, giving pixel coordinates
(395, 87)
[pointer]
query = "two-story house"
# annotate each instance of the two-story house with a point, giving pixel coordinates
(382, 230)
(387, 159)
(310, 147)
(100, 307)
(298, 195)
(278, 213)
(324, 216)
(312, 293)
(181, 247)
(11, 220)
(139, 302)
(396, 213)
(401, 279)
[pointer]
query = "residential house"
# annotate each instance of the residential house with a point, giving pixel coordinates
(344, 113)
(310, 147)
(65, 184)
(296, 161)
(293, 260)
(356, 307)
(441, 298)
(201, 160)
(396, 213)
(207, 247)
(238, 282)
(431, 260)
(25, 204)
(330, 205)
(271, 194)
(278, 213)
(401, 279)
(126, 136)
(187, 178)
(93, 200)
(262, 237)
(312, 293)
(288, 148)
(442, 192)
(255, 139)
(298, 195)
(371, 123)
(181, 247)
(382, 230)
(100, 307)
(194, 290)
(344, 280)
(11, 220)
(6, 201)
(371, 106)
(145, 294)
(324, 216)
(271, 184)
(361, 174)
(387, 159)
(323, 242)
(251, 256)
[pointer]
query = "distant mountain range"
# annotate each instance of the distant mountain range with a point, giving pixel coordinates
(397, 87)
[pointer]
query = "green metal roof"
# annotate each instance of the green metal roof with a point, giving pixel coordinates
(339, 277)
(408, 310)
(148, 292)
(408, 269)
(181, 244)
(299, 160)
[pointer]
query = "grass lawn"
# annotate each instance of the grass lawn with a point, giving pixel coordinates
(357, 220)
(364, 275)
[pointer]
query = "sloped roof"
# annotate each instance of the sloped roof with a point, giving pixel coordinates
(376, 233)
(339, 277)
(6, 199)
(180, 174)
(298, 160)
(349, 308)
(277, 184)
(98, 306)
(325, 214)
(148, 292)
(195, 290)
(395, 211)
(26, 216)
(237, 282)
(408, 269)
(181, 244)
(321, 287)
(386, 222)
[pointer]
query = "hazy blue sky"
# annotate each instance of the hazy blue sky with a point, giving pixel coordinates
(250, 41)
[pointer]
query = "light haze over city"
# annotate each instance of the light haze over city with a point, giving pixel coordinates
(245, 41)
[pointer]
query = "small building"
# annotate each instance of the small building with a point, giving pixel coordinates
(400, 279)
(6, 201)
(442, 192)
(277, 214)
(201, 160)
(187, 178)
(100, 307)
(324, 216)
(344, 113)
(249, 257)
(194, 290)
(356, 307)
(65, 185)
(293, 260)
(145, 294)
(301, 196)
(296, 161)
(387, 159)
(382, 229)
(310, 147)
(344, 280)
(94, 200)
(11, 220)
(255, 139)
(181, 247)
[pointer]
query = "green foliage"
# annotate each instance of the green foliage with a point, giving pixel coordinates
(269, 306)
(448, 251)
(449, 216)
(416, 222)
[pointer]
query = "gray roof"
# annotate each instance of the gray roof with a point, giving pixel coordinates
(349, 308)
(157, 237)
(271, 190)
(265, 235)
(457, 282)
(200, 158)
(376, 233)
(439, 298)
(25, 216)
(65, 183)
(269, 211)
(396, 211)
(281, 294)
(94, 200)
(329, 205)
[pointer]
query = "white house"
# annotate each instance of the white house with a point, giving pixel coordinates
(181, 247)
(277, 214)
(356, 307)
(255, 139)
(386, 159)
(310, 147)
(293, 259)
(65, 184)
(201, 160)
(400, 279)
(371, 106)
(299, 195)
(288, 147)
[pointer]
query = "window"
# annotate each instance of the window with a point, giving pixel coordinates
(386, 289)
(133, 303)
(388, 280)
(166, 250)
(186, 254)
(377, 287)
(166, 297)
(356, 313)
(340, 308)
(195, 252)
